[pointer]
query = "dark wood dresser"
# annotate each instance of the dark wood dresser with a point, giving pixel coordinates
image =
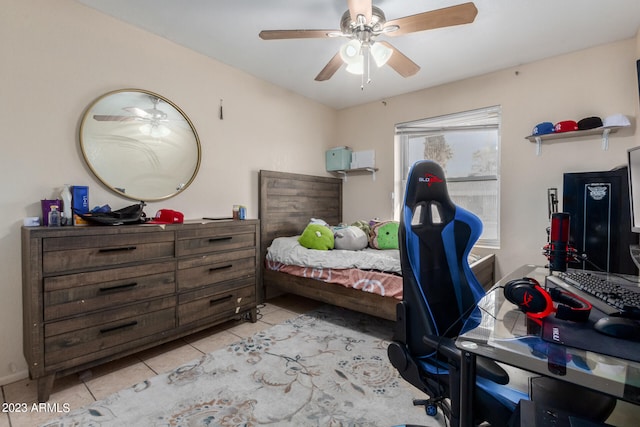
(95, 294)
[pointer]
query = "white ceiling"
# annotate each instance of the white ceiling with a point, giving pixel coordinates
(505, 33)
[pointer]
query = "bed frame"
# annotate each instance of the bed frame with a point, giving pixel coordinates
(287, 202)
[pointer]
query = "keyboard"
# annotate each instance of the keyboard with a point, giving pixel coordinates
(607, 293)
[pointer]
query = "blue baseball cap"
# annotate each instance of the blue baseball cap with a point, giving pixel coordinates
(543, 128)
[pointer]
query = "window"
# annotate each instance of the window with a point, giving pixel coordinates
(466, 145)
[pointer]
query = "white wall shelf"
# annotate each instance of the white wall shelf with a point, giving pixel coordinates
(604, 131)
(346, 172)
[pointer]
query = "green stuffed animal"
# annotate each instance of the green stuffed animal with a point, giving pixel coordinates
(316, 236)
(384, 235)
(364, 226)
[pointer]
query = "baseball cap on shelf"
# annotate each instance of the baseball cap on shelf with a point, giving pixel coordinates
(566, 126)
(616, 120)
(543, 128)
(167, 216)
(589, 123)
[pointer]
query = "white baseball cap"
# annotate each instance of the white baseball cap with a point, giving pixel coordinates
(616, 120)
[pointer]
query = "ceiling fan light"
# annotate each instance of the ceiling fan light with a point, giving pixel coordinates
(356, 67)
(154, 130)
(350, 52)
(381, 53)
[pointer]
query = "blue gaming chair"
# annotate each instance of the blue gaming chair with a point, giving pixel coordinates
(440, 293)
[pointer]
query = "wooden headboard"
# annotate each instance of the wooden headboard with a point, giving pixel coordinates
(288, 201)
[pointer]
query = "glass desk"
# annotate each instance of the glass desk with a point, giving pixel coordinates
(507, 335)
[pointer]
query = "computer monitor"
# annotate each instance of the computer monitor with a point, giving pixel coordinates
(633, 163)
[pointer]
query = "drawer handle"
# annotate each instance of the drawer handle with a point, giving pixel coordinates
(124, 249)
(223, 267)
(219, 239)
(115, 328)
(220, 300)
(123, 287)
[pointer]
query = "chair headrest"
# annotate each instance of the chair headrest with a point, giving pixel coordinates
(427, 182)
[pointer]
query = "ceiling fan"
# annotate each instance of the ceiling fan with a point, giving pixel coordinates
(362, 23)
(153, 119)
(153, 115)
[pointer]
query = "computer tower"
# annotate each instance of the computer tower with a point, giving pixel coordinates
(600, 226)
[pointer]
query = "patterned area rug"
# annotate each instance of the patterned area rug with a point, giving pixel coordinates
(325, 368)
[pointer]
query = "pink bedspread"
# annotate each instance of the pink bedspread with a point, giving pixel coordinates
(385, 284)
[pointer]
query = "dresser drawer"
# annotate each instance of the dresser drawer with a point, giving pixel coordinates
(71, 253)
(215, 268)
(81, 293)
(208, 305)
(220, 288)
(233, 236)
(68, 339)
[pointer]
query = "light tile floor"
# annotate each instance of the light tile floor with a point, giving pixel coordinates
(78, 390)
(81, 389)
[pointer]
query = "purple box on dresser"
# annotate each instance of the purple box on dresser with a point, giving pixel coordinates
(46, 208)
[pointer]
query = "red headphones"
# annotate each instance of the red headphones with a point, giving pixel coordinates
(531, 298)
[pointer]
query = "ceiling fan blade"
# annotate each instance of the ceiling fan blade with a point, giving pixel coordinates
(400, 62)
(330, 69)
(360, 7)
(455, 15)
(111, 118)
(295, 34)
(139, 112)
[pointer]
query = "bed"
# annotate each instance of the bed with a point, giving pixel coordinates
(287, 202)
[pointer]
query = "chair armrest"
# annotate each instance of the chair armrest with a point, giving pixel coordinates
(443, 345)
(490, 370)
(485, 368)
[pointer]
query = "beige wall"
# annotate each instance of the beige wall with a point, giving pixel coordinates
(57, 57)
(599, 81)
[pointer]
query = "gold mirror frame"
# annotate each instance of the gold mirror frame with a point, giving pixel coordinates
(140, 145)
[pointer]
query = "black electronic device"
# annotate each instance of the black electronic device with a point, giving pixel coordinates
(599, 205)
(619, 327)
(537, 302)
(567, 402)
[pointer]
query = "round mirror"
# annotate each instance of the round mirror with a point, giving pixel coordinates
(140, 144)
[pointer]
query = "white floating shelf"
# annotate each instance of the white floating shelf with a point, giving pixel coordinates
(604, 131)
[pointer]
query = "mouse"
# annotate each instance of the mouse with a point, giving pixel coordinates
(619, 327)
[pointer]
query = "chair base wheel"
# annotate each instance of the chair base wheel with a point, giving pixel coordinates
(431, 405)
(432, 410)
